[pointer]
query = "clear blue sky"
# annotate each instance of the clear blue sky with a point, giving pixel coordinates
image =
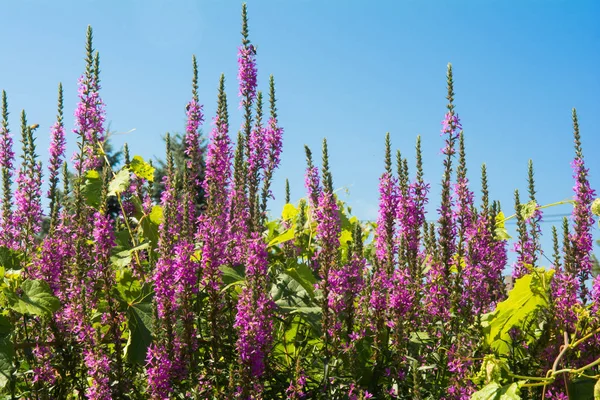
(346, 70)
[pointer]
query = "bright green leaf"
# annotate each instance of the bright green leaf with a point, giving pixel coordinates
(139, 320)
(92, 188)
(37, 299)
(284, 237)
(142, 169)
(119, 183)
(529, 294)
(289, 212)
(528, 209)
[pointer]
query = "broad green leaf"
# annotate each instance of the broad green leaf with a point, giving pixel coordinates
(511, 392)
(529, 294)
(303, 275)
(500, 232)
(597, 390)
(9, 259)
(92, 188)
(289, 212)
(7, 353)
(288, 292)
(123, 258)
(5, 325)
(128, 286)
(142, 169)
(494, 391)
(37, 299)
(345, 237)
(283, 237)
(150, 224)
(139, 320)
(528, 209)
(119, 183)
(233, 275)
(156, 215)
(582, 388)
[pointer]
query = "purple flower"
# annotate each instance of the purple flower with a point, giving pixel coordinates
(247, 74)
(89, 121)
(254, 310)
(159, 369)
(28, 215)
(57, 151)
(583, 219)
(388, 207)
(192, 140)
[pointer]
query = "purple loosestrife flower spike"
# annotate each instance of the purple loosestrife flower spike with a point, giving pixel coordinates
(312, 181)
(192, 134)
(57, 153)
(388, 202)
(583, 220)
(7, 156)
(89, 115)
(28, 214)
(253, 320)
(524, 246)
(273, 143)
(213, 228)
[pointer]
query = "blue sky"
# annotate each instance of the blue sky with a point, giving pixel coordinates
(346, 70)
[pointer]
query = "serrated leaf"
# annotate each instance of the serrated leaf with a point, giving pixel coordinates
(92, 188)
(289, 212)
(529, 294)
(37, 299)
(128, 286)
(494, 391)
(142, 169)
(345, 237)
(119, 183)
(139, 320)
(150, 224)
(527, 210)
(303, 275)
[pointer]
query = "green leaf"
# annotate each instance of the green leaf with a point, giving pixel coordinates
(139, 321)
(92, 188)
(528, 209)
(529, 294)
(303, 275)
(6, 326)
(597, 390)
(142, 169)
(289, 292)
(582, 388)
(494, 391)
(7, 353)
(235, 275)
(150, 224)
(37, 299)
(156, 215)
(10, 259)
(345, 237)
(119, 183)
(289, 212)
(500, 232)
(128, 287)
(284, 237)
